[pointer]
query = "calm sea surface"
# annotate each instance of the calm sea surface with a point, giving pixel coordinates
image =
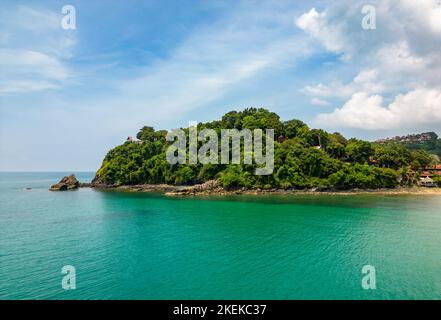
(147, 246)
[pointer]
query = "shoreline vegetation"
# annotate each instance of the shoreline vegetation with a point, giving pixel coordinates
(305, 161)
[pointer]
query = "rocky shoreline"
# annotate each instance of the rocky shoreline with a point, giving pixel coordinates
(213, 188)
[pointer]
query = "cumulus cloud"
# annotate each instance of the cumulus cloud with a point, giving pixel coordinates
(366, 81)
(423, 12)
(399, 59)
(420, 106)
(316, 24)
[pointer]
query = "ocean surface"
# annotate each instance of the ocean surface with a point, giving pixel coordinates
(147, 246)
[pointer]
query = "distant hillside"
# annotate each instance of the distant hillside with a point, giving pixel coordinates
(427, 141)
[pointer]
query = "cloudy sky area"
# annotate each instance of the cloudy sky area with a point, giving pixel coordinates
(67, 96)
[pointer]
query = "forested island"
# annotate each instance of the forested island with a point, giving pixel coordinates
(304, 159)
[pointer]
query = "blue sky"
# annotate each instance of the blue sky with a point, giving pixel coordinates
(68, 96)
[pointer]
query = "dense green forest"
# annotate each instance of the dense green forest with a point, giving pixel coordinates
(304, 158)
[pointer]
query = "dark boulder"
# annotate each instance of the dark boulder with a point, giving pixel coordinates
(67, 183)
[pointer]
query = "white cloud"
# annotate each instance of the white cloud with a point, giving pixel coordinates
(401, 55)
(335, 89)
(27, 71)
(32, 62)
(35, 50)
(315, 23)
(397, 57)
(366, 81)
(320, 102)
(423, 12)
(338, 26)
(411, 110)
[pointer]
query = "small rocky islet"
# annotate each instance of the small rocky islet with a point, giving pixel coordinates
(68, 183)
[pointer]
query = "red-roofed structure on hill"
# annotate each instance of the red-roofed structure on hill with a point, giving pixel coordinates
(435, 170)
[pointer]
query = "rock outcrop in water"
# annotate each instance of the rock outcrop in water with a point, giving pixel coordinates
(67, 183)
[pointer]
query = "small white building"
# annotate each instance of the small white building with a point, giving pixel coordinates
(131, 139)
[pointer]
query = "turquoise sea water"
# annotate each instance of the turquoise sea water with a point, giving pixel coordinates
(147, 246)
